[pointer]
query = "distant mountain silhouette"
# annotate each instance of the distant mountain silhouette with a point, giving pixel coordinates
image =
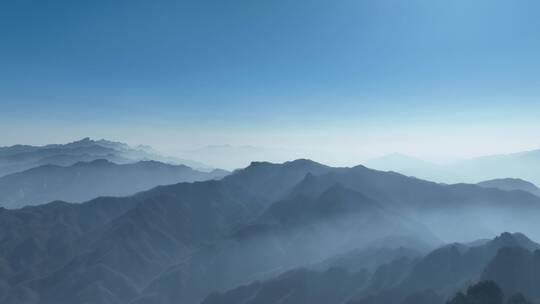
(445, 269)
(430, 202)
(510, 184)
(23, 157)
(523, 165)
(263, 244)
(273, 181)
(431, 279)
(264, 237)
(118, 253)
(337, 208)
(178, 243)
(86, 180)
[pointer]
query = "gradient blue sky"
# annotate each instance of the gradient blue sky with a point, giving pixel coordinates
(335, 80)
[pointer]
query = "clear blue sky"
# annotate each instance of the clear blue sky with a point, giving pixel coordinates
(328, 78)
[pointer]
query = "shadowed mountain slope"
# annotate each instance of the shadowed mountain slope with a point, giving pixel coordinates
(446, 270)
(86, 180)
(151, 230)
(516, 270)
(430, 279)
(178, 243)
(299, 286)
(439, 206)
(509, 184)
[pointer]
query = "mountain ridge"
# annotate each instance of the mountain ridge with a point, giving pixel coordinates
(19, 158)
(524, 165)
(176, 243)
(402, 280)
(509, 184)
(85, 180)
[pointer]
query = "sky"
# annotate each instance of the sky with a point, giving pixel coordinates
(337, 81)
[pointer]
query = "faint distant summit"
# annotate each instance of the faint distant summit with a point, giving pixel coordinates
(521, 165)
(19, 158)
(509, 184)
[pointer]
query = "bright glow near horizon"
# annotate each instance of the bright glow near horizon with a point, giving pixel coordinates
(349, 81)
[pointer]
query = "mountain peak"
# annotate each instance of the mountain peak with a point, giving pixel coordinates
(259, 164)
(303, 163)
(507, 239)
(85, 140)
(298, 164)
(510, 184)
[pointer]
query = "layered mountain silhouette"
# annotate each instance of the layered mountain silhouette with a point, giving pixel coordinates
(446, 270)
(334, 222)
(23, 157)
(431, 279)
(522, 165)
(86, 180)
(428, 202)
(510, 184)
(179, 243)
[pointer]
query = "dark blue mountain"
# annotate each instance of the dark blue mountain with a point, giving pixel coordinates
(431, 279)
(178, 243)
(86, 180)
(510, 184)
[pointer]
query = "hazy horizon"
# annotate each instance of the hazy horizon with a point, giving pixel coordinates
(374, 151)
(336, 81)
(232, 157)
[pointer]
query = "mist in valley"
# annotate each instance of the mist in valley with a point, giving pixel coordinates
(361, 233)
(269, 152)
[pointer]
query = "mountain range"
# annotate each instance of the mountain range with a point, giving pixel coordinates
(431, 279)
(523, 165)
(23, 157)
(85, 169)
(510, 184)
(180, 243)
(83, 181)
